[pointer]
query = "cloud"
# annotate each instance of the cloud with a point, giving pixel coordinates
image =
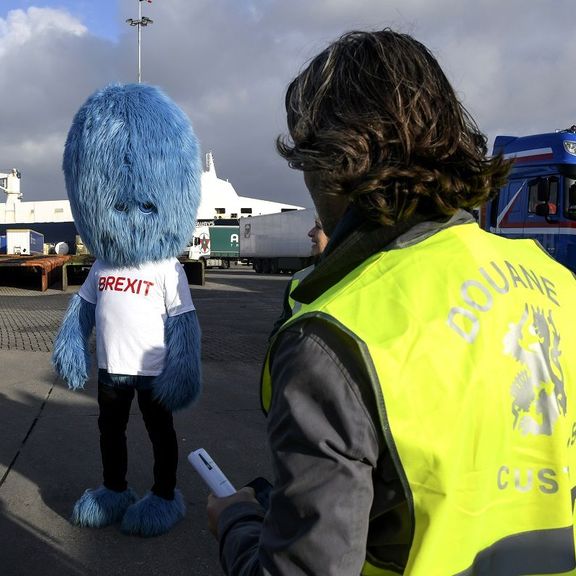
(49, 62)
(228, 62)
(20, 28)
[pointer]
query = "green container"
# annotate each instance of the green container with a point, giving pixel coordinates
(224, 241)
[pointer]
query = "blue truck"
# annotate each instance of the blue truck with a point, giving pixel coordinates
(539, 199)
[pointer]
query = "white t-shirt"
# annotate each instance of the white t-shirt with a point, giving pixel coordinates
(131, 309)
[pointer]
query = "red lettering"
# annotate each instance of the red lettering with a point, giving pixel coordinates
(131, 284)
(124, 284)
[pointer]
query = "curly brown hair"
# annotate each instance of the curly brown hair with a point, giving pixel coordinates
(376, 116)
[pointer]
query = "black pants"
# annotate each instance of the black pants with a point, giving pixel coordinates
(114, 403)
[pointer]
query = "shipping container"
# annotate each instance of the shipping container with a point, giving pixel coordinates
(277, 242)
(24, 242)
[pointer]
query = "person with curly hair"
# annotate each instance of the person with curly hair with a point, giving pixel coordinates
(420, 401)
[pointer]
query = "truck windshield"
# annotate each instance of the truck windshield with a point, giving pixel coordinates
(570, 198)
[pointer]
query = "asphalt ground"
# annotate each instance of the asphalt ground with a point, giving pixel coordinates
(49, 436)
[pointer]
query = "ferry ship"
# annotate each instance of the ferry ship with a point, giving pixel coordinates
(53, 218)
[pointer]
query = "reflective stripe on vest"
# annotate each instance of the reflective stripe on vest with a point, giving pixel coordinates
(474, 370)
(296, 279)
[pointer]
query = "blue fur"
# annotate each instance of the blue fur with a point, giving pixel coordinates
(102, 507)
(132, 171)
(179, 385)
(130, 145)
(71, 356)
(153, 515)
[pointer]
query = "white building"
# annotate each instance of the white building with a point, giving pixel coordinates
(14, 211)
(220, 200)
(54, 218)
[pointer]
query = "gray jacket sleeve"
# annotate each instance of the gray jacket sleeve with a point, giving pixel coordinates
(325, 448)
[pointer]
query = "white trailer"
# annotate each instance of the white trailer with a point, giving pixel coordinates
(24, 242)
(277, 242)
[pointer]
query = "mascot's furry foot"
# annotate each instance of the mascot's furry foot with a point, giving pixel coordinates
(153, 515)
(102, 507)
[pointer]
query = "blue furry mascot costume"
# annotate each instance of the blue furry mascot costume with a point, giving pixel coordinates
(132, 170)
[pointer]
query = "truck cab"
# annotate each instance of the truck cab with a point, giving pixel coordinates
(216, 243)
(539, 199)
(199, 248)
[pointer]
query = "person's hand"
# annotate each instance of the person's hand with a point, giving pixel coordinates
(216, 506)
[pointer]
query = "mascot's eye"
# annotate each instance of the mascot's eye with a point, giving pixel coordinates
(147, 207)
(121, 206)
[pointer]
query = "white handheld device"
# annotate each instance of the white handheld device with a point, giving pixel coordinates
(210, 473)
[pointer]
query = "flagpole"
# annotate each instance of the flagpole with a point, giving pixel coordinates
(139, 41)
(142, 21)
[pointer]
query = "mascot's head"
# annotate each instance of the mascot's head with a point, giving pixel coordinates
(132, 170)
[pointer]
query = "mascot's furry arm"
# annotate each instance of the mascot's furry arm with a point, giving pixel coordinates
(180, 383)
(71, 357)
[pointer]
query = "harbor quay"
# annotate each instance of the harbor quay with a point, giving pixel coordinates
(49, 441)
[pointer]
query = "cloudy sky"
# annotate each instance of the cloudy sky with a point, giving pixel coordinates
(228, 62)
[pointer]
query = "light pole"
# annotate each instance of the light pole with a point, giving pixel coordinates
(142, 21)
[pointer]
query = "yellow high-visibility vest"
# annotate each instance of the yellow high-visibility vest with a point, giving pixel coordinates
(470, 341)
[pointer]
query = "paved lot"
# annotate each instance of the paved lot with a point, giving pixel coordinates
(49, 438)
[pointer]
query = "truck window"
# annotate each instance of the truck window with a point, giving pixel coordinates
(553, 187)
(570, 187)
(535, 189)
(542, 191)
